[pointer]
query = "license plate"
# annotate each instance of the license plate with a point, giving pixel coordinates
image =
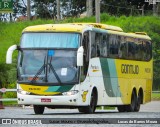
(45, 100)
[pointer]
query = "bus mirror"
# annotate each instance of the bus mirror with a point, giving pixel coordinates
(9, 54)
(80, 56)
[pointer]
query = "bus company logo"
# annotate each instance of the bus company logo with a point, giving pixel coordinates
(84, 96)
(6, 121)
(94, 68)
(129, 69)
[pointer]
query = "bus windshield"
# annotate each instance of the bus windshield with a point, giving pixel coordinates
(52, 66)
(50, 40)
(48, 58)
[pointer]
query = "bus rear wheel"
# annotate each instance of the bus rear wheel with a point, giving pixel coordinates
(38, 109)
(138, 104)
(131, 107)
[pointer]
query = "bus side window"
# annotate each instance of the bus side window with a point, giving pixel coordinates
(131, 50)
(103, 46)
(93, 45)
(122, 53)
(141, 50)
(114, 46)
(146, 50)
(97, 41)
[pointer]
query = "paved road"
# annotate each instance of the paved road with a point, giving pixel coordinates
(149, 110)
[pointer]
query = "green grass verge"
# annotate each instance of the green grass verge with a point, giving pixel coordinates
(155, 96)
(10, 103)
(106, 108)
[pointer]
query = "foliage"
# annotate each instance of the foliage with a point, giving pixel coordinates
(10, 94)
(10, 34)
(73, 8)
(3, 74)
(155, 96)
(47, 9)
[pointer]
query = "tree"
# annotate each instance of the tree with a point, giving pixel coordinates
(73, 8)
(3, 74)
(125, 7)
(45, 9)
(89, 7)
(58, 10)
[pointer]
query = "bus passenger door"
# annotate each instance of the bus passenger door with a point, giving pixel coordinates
(84, 79)
(86, 56)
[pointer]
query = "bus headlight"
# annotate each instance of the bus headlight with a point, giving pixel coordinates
(20, 91)
(72, 92)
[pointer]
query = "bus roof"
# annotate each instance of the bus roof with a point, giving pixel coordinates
(140, 35)
(101, 26)
(80, 27)
(55, 28)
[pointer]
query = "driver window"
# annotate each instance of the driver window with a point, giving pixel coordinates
(85, 44)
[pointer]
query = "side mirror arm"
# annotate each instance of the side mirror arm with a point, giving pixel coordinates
(80, 56)
(9, 54)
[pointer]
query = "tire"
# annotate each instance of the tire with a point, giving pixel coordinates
(92, 107)
(38, 109)
(121, 108)
(81, 109)
(138, 104)
(131, 107)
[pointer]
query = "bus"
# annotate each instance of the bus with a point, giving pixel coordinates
(83, 66)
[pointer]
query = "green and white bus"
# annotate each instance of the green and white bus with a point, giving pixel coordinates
(83, 65)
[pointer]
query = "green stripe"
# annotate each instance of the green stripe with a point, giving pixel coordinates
(59, 88)
(110, 77)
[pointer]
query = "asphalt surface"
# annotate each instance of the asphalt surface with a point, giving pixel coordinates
(149, 111)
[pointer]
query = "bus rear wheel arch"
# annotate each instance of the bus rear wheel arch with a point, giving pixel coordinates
(93, 103)
(139, 100)
(131, 107)
(136, 101)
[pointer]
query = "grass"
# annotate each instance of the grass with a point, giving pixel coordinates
(106, 108)
(155, 96)
(10, 103)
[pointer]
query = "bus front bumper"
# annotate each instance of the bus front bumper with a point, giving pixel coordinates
(71, 100)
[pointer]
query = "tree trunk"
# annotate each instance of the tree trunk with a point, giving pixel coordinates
(58, 10)
(28, 10)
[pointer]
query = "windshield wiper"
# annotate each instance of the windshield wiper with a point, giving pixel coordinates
(39, 71)
(54, 72)
(45, 68)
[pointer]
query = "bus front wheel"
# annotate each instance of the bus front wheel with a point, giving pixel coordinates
(93, 103)
(121, 108)
(38, 109)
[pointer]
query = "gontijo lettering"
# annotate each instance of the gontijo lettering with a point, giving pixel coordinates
(129, 69)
